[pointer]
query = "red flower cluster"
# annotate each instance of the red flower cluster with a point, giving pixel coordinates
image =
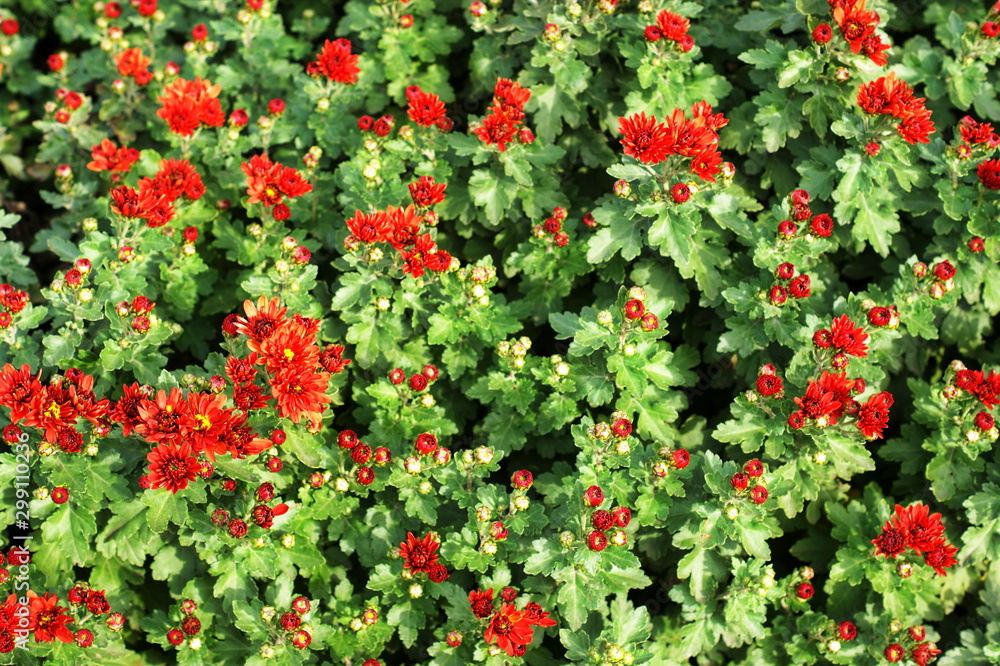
(188, 105)
(696, 138)
(53, 408)
(603, 520)
(270, 182)
(12, 301)
(336, 62)
(507, 112)
(985, 388)
(753, 471)
(796, 287)
(916, 528)
(858, 25)
(425, 192)
(831, 397)
(512, 630)
(673, 27)
(399, 227)
(131, 62)
(108, 157)
(175, 178)
(420, 556)
(146, 205)
(426, 109)
(553, 226)
(844, 337)
(889, 96)
(287, 349)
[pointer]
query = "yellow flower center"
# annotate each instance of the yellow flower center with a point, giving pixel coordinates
(52, 411)
(203, 422)
(289, 354)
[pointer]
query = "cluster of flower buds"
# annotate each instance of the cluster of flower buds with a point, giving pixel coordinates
(880, 316)
(81, 595)
(67, 101)
(670, 459)
(520, 481)
(262, 513)
(750, 484)
(200, 44)
(74, 279)
(560, 368)
(942, 277)
(845, 631)
(964, 383)
(788, 285)
(553, 34)
(477, 281)
(379, 128)
(914, 642)
(417, 382)
(553, 227)
(139, 309)
(820, 226)
(298, 254)
(615, 434)
(768, 384)
(514, 351)
(634, 310)
(190, 626)
(363, 456)
(608, 526)
(12, 301)
(801, 583)
(291, 624)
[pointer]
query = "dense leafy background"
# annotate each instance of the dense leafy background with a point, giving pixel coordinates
(691, 584)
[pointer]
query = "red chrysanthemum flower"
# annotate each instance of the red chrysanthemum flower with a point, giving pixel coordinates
(873, 47)
(106, 156)
(847, 338)
(497, 129)
(165, 419)
(131, 62)
(172, 466)
(240, 440)
(481, 602)
(336, 62)
(989, 174)
(672, 26)
(175, 178)
(921, 529)
(425, 109)
(509, 629)
(47, 619)
(300, 392)
(290, 345)
(924, 653)
(873, 418)
(425, 192)
(332, 359)
(419, 554)
(645, 139)
(261, 319)
(536, 616)
(17, 388)
(941, 557)
(51, 410)
(890, 543)
(187, 105)
(209, 420)
(368, 227)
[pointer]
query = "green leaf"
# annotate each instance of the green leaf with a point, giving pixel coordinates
(164, 507)
(705, 568)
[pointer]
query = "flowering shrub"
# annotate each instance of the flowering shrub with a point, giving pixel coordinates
(412, 332)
